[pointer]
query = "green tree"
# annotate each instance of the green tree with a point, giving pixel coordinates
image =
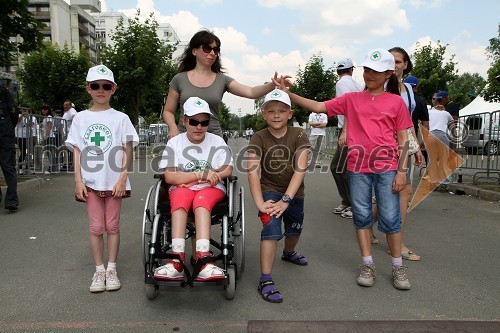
(314, 82)
(433, 72)
(52, 75)
(492, 91)
(466, 87)
(142, 66)
(224, 116)
(15, 19)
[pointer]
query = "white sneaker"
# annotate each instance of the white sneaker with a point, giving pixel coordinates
(112, 281)
(98, 282)
(210, 272)
(171, 271)
(347, 214)
(340, 209)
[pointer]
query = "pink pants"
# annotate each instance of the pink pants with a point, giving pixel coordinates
(182, 197)
(104, 214)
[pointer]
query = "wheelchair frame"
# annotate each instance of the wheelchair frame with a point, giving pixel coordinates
(156, 239)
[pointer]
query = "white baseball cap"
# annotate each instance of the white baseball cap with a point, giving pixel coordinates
(344, 63)
(380, 60)
(196, 105)
(100, 72)
(277, 95)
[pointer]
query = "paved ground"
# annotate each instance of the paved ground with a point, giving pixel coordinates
(47, 267)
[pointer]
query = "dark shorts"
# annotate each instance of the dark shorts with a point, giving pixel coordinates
(293, 219)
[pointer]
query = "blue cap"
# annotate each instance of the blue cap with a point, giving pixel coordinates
(412, 80)
(441, 94)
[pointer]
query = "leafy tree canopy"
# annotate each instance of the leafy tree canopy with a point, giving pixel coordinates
(492, 90)
(314, 82)
(15, 19)
(433, 72)
(52, 75)
(142, 66)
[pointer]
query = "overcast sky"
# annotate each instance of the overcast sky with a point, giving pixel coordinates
(262, 36)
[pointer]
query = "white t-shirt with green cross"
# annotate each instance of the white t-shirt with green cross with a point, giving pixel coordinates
(100, 136)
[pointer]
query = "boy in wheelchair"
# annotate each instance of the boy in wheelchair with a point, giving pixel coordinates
(195, 164)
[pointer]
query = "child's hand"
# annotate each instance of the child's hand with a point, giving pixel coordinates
(399, 182)
(419, 158)
(279, 208)
(81, 191)
(212, 177)
(119, 189)
(266, 207)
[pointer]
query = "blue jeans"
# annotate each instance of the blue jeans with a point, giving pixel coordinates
(293, 218)
(389, 214)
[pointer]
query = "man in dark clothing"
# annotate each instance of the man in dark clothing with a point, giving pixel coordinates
(421, 113)
(450, 106)
(8, 121)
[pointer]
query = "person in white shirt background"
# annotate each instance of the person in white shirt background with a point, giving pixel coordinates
(338, 166)
(318, 122)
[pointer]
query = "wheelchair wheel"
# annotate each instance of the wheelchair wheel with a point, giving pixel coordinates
(150, 210)
(230, 288)
(151, 291)
(239, 233)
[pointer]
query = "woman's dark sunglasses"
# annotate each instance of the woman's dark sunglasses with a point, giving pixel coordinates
(208, 49)
(194, 122)
(96, 86)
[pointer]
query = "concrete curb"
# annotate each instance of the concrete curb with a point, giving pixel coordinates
(466, 189)
(26, 185)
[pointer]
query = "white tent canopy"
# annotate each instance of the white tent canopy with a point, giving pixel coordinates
(479, 105)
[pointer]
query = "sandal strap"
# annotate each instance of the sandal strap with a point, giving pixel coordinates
(266, 283)
(272, 292)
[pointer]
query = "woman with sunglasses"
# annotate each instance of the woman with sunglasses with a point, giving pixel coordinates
(201, 75)
(194, 163)
(102, 140)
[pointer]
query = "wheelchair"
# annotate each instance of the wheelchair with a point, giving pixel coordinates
(157, 239)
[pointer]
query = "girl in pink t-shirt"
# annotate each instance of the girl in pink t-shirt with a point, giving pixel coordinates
(378, 151)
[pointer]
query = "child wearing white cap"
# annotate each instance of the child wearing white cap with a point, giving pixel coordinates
(195, 163)
(277, 162)
(376, 156)
(102, 140)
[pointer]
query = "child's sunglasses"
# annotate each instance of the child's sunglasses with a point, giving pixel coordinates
(194, 122)
(104, 86)
(208, 49)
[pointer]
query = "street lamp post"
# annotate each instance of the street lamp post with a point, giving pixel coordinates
(239, 115)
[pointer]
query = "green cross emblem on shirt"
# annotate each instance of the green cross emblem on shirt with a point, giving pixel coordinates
(97, 139)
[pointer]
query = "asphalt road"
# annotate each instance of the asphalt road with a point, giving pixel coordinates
(46, 268)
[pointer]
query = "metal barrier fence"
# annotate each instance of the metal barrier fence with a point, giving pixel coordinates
(40, 144)
(478, 143)
(331, 138)
(152, 134)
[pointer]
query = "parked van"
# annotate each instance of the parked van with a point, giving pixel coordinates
(479, 136)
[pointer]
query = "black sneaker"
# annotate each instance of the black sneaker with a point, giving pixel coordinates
(12, 208)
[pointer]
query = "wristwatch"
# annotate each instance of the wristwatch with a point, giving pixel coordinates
(286, 198)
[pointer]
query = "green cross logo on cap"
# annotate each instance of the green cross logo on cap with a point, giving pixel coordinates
(102, 70)
(376, 56)
(198, 103)
(276, 94)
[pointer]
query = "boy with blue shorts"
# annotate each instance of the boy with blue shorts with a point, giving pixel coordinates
(277, 163)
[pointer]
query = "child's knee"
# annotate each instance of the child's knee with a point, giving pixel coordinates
(113, 227)
(96, 229)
